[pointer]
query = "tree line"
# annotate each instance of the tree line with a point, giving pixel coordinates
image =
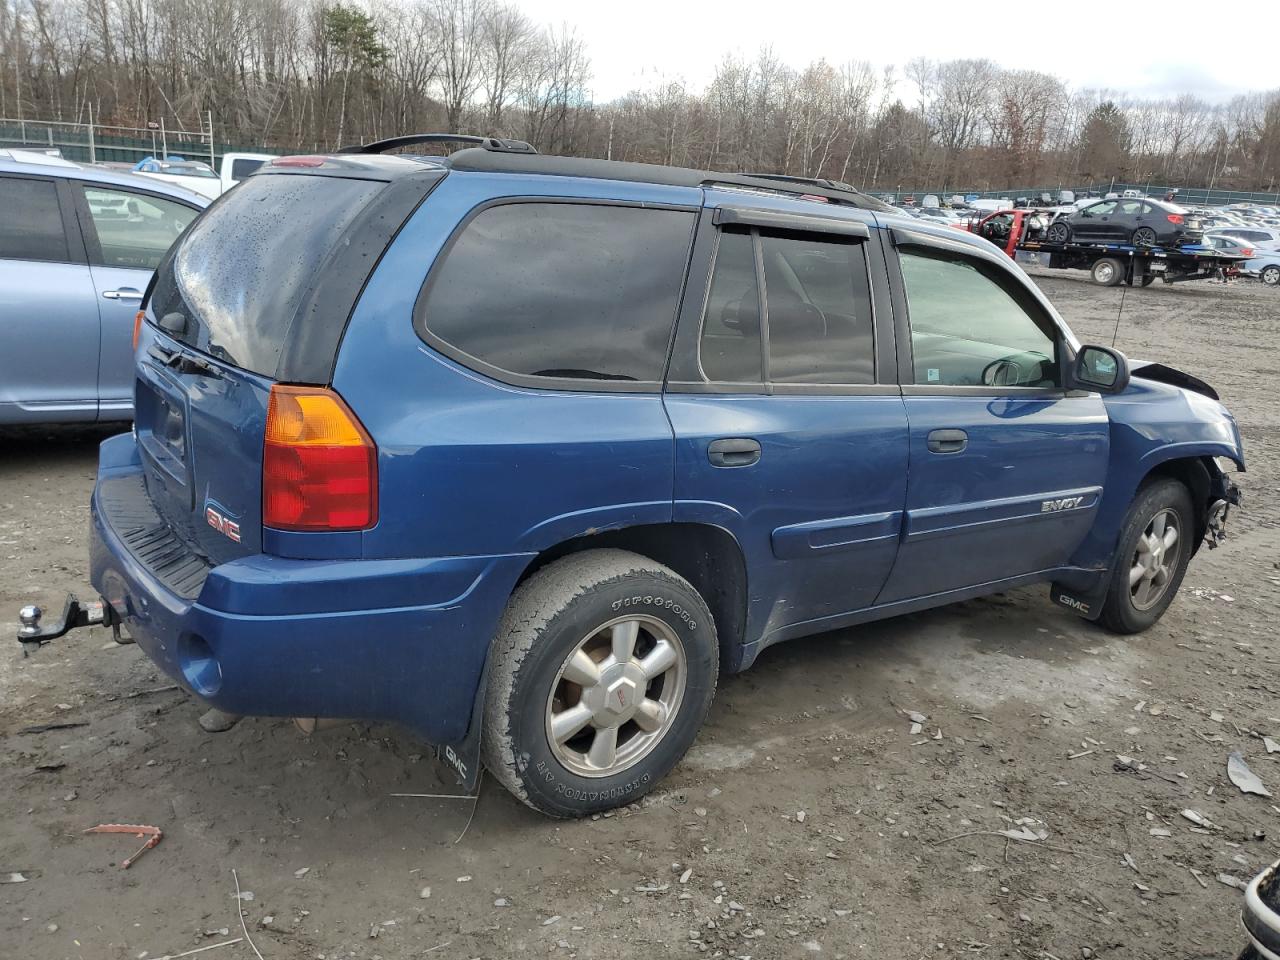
(318, 74)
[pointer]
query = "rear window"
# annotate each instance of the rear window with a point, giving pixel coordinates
(560, 290)
(243, 269)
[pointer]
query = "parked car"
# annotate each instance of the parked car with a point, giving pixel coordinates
(195, 176)
(1141, 222)
(544, 446)
(78, 245)
(1227, 244)
(1257, 236)
(1265, 265)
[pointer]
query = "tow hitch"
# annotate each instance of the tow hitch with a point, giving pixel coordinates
(75, 613)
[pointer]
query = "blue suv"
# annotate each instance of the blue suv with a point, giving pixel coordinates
(526, 452)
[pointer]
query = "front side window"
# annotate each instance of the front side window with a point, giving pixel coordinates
(1100, 209)
(134, 230)
(31, 228)
(968, 329)
(564, 290)
(817, 303)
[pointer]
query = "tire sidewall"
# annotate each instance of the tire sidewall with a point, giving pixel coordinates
(559, 791)
(1120, 613)
(1273, 273)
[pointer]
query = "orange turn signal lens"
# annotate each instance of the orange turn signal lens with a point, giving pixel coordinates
(137, 326)
(319, 466)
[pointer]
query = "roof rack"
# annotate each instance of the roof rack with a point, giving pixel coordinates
(493, 144)
(835, 191)
(491, 161)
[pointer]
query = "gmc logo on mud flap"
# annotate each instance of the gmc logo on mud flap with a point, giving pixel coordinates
(228, 528)
(454, 761)
(1065, 503)
(1073, 603)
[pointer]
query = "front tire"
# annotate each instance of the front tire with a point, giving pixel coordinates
(603, 670)
(1271, 276)
(1151, 559)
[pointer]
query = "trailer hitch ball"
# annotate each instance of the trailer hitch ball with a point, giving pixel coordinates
(30, 616)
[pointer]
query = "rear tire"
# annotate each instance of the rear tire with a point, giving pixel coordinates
(1144, 578)
(603, 670)
(1058, 232)
(1107, 272)
(1145, 237)
(1270, 276)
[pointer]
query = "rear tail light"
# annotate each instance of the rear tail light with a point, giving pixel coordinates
(137, 326)
(1246, 251)
(319, 466)
(1175, 219)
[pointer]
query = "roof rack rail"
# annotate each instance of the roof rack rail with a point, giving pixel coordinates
(834, 191)
(494, 144)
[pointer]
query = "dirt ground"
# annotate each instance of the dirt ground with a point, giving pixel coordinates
(807, 820)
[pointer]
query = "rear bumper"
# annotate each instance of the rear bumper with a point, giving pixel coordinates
(400, 640)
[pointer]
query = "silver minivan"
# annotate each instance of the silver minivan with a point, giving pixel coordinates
(78, 246)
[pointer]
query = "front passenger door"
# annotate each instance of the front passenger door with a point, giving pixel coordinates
(1006, 466)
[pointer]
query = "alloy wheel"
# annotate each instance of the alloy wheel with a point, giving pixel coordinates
(616, 696)
(1154, 560)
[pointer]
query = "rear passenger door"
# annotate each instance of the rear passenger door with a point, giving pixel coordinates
(48, 311)
(789, 431)
(1006, 466)
(126, 234)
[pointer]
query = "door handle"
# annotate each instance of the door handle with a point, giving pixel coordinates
(734, 452)
(947, 441)
(124, 293)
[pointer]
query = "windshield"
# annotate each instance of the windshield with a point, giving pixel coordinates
(238, 278)
(187, 170)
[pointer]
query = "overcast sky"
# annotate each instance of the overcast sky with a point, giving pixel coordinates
(637, 44)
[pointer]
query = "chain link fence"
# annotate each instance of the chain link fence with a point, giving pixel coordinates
(105, 143)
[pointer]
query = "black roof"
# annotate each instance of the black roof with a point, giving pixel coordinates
(482, 160)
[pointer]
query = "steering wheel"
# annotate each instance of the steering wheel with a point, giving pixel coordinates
(1005, 372)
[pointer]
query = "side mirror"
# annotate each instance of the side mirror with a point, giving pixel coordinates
(1101, 369)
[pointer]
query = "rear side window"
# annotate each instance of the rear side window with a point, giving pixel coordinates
(32, 224)
(243, 269)
(560, 290)
(730, 350)
(818, 306)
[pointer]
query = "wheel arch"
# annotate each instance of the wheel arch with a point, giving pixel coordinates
(708, 556)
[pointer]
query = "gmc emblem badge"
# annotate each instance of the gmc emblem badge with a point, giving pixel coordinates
(228, 528)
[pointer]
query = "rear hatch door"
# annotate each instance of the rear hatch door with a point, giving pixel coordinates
(257, 291)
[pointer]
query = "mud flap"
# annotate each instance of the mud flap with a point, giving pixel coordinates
(1083, 603)
(463, 756)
